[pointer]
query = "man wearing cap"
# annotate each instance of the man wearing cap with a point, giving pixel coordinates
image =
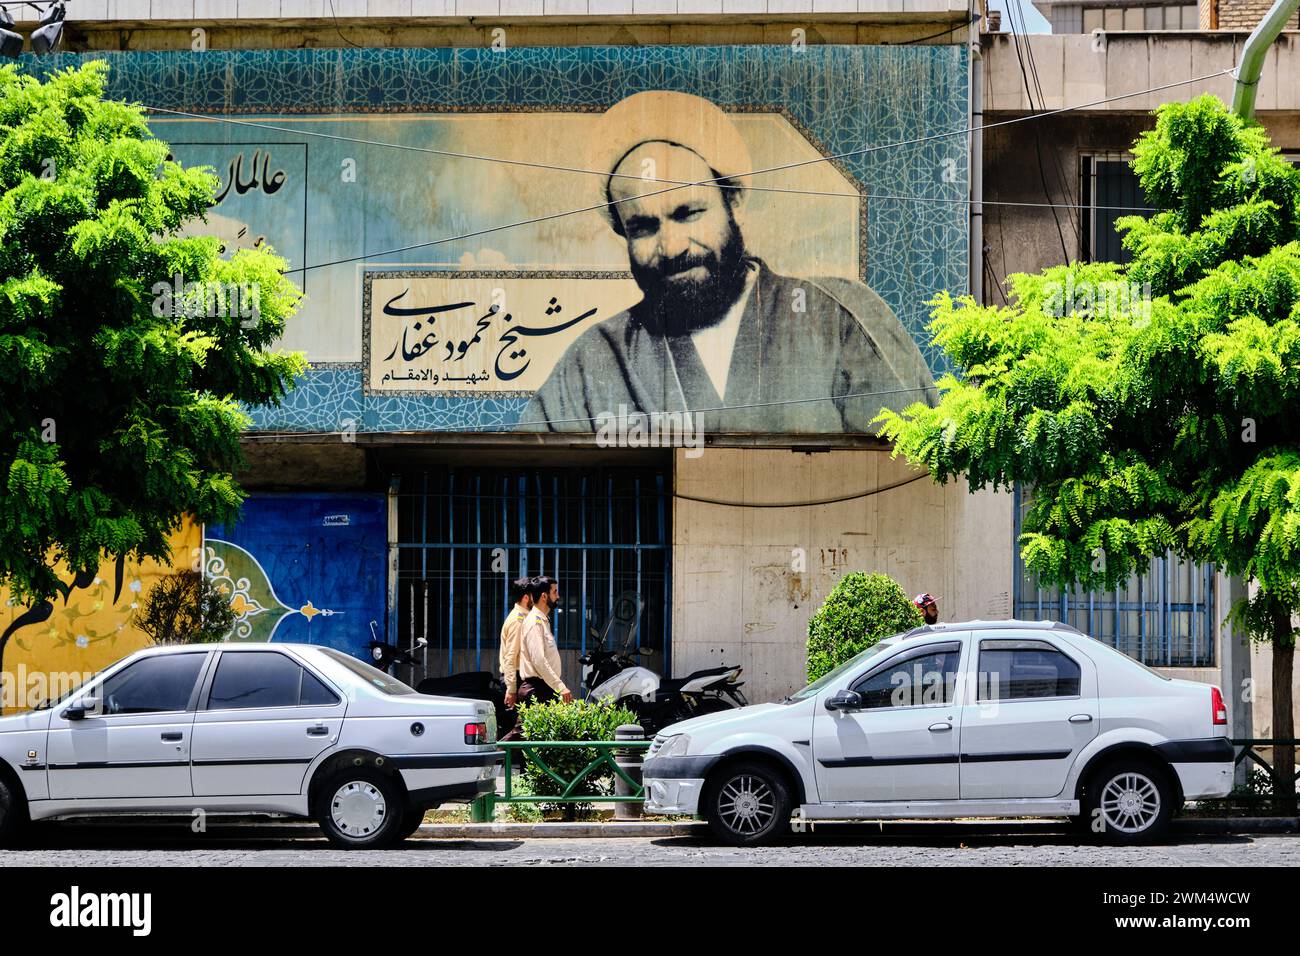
(928, 606)
(716, 329)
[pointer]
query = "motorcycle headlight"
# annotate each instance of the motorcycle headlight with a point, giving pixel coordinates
(675, 746)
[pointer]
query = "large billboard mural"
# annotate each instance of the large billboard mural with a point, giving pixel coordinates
(531, 239)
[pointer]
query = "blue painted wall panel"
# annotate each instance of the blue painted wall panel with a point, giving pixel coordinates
(306, 568)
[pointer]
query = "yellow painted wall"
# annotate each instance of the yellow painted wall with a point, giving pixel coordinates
(88, 631)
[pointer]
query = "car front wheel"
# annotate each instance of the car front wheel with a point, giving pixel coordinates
(1128, 801)
(13, 815)
(748, 804)
(361, 809)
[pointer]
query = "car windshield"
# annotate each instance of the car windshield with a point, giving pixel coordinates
(812, 689)
(372, 677)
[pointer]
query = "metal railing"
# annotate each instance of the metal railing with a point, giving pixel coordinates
(483, 809)
(1249, 753)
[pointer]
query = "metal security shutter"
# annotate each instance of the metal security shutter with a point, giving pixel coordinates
(464, 533)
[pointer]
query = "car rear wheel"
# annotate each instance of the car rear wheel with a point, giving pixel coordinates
(412, 817)
(1128, 801)
(361, 809)
(14, 824)
(748, 804)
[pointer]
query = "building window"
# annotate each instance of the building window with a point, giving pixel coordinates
(464, 533)
(1108, 190)
(1164, 618)
(1135, 17)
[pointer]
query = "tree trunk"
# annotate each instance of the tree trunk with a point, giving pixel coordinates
(1283, 716)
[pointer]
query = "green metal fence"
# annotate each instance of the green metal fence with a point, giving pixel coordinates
(484, 806)
(1249, 753)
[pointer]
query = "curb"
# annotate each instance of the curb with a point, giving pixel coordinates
(262, 828)
(562, 831)
(1237, 825)
(1210, 826)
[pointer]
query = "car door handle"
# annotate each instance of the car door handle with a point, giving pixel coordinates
(173, 736)
(320, 730)
(940, 727)
(1081, 719)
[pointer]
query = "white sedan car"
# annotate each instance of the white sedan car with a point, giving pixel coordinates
(248, 728)
(982, 719)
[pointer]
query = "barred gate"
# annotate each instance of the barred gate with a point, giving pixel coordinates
(464, 533)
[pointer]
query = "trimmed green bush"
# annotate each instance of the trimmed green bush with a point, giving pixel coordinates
(860, 610)
(578, 720)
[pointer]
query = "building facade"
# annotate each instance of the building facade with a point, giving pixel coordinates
(504, 381)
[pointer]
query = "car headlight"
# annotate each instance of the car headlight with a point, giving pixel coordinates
(675, 746)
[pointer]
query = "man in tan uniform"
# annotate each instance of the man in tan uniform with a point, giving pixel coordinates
(508, 657)
(539, 657)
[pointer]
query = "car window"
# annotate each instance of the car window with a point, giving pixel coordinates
(1021, 669)
(925, 678)
(152, 685)
(363, 673)
(248, 679)
(314, 691)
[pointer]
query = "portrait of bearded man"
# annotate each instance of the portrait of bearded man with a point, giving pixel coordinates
(717, 332)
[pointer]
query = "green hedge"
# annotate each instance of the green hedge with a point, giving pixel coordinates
(578, 720)
(859, 611)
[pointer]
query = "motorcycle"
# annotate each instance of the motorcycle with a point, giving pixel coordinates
(616, 676)
(470, 685)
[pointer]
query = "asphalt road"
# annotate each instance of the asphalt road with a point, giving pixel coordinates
(924, 845)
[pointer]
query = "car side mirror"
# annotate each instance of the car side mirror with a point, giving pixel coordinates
(844, 700)
(82, 707)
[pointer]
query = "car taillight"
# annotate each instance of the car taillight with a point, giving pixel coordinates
(476, 734)
(1218, 710)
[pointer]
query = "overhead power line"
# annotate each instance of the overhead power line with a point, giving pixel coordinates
(672, 184)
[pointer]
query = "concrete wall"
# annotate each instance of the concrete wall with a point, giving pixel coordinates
(1079, 69)
(156, 11)
(747, 579)
(475, 32)
(1261, 668)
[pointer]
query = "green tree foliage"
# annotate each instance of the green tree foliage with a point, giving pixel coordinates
(125, 350)
(576, 720)
(860, 610)
(185, 608)
(1152, 407)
